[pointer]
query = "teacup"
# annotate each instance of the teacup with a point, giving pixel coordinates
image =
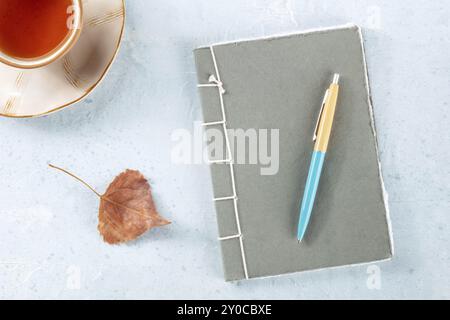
(32, 32)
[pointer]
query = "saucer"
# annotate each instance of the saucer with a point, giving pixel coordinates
(38, 92)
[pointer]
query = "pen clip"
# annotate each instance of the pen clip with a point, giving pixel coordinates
(320, 115)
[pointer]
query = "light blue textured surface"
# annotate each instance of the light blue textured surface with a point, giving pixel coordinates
(312, 182)
(49, 244)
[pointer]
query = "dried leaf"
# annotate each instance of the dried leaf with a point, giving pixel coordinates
(126, 209)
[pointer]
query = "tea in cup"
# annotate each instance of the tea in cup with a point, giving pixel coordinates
(34, 33)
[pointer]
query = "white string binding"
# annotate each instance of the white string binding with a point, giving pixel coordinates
(215, 81)
(206, 124)
(225, 198)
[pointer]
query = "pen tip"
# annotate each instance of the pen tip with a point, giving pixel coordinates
(336, 78)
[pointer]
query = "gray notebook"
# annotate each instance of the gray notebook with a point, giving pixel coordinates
(266, 95)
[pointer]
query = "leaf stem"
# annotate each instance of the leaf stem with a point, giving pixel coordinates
(75, 177)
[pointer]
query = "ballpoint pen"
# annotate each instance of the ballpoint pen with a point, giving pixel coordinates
(321, 138)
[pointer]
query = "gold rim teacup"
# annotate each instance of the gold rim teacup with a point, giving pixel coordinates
(76, 15)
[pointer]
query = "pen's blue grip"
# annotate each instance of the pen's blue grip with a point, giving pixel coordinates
(309, 196)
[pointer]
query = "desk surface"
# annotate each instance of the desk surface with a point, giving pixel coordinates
(50, 247)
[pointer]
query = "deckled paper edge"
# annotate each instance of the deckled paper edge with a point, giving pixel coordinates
(372, 117)
(283, 35)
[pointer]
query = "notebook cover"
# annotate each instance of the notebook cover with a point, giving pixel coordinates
(279, 83)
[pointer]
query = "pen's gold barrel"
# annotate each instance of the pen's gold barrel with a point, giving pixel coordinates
(326, 121)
